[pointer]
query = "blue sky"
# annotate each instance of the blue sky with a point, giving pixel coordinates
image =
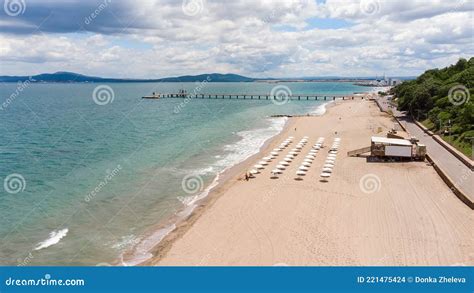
(156, 38)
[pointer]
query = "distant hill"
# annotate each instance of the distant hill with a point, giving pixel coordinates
(69, 77)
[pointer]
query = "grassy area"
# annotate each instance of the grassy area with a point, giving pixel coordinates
(454, 140)
(428, 124)
(463, 147)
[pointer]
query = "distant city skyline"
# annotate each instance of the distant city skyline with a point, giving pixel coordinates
(282, 39)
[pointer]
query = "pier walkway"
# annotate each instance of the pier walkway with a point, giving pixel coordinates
(313, 97)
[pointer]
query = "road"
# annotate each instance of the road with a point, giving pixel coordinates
(460, 174)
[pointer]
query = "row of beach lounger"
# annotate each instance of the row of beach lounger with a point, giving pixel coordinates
(293, 153)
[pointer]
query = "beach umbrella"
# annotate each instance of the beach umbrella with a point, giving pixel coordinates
(329, 162)
(263, 163)
(327, 170)
(276, 171)
(277, 149)
(290, 157)
(267, 159)
(304, 168)
(306, 164)
(310, 157)
(328, 165)
(293, 153)
(337, 139)
(308, 160)
(298, 147)
(288, 160)
(253, 172)
(332, 155)
(325, 175)
(258, 166)
(274, 153)
(300, 173)
(283, 163)
(313, 152)
(281, 167)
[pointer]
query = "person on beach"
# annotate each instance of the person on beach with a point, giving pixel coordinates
(246, 176)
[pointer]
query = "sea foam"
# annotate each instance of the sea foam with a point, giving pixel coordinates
(54, 238)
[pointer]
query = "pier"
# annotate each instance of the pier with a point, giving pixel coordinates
(313, 97)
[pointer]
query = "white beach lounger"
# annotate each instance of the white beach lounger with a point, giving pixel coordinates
(325, 175)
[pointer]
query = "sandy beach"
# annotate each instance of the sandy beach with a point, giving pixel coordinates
(367, 214)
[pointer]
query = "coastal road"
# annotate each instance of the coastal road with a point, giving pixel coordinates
(460, 174)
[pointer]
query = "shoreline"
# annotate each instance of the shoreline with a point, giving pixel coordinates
(226, 179)
(170, 229)
(271, 221)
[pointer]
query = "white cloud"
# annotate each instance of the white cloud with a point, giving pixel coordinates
(256, 38)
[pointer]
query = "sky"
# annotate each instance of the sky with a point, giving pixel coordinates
(293, 38)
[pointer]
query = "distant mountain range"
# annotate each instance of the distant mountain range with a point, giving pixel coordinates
(71, 77)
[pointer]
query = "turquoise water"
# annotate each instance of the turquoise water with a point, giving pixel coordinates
(85, 182)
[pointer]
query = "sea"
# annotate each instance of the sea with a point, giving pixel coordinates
(91, 172)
